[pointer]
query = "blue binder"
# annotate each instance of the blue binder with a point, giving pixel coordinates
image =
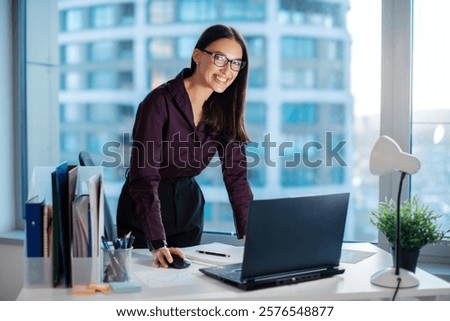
(33, 211)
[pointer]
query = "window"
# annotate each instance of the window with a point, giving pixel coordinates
(111, 15)
(299, 114)
(298, 48)
(101, 51)
(431, 107)
(315, 83)
(257, 51)
(102, 16)
(72, 20)
(161, 48)
(238, 10)
(315, 13)
(161, 11)
(71, 54)
(197, 10)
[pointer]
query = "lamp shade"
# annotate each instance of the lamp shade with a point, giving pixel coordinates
(387, 157)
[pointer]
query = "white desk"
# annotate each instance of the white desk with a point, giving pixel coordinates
(190, 284)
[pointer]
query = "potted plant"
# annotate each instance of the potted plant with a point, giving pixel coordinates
(418, 227)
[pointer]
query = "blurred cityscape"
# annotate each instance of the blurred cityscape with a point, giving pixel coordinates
(112, 53)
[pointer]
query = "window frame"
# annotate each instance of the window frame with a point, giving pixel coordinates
(396, 104)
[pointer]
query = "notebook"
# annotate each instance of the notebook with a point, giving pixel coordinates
(289, 240)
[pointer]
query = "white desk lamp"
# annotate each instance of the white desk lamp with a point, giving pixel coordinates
(387, 157)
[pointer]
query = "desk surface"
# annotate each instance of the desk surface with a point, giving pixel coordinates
(190, 284)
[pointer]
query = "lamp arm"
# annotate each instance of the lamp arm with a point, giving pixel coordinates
(397, 240)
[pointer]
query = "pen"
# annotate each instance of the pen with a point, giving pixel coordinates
(105, 243)
(130, 243)
(213, 253)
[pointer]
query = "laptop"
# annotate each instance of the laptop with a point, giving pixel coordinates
(289, 240)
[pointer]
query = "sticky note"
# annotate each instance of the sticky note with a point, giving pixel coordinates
(125, 287)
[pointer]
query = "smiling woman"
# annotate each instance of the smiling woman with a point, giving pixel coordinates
(179, 128)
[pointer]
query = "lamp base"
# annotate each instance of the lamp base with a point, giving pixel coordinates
(387, 278)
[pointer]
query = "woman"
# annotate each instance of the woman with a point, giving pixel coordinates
(179, 127)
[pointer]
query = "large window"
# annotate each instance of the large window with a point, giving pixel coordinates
(313, 101)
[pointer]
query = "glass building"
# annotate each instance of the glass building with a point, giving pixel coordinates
(299, 102)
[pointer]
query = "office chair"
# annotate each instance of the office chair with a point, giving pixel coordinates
(110, 232)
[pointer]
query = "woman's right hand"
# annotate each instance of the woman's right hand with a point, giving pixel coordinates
(162, 257)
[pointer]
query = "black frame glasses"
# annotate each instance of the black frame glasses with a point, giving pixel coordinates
(221, 61)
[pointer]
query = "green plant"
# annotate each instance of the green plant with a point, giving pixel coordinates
(418, 224)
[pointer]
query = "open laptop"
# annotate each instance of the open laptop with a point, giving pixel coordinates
(289, 240)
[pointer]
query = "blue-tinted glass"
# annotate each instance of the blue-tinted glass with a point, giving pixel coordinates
(96, 140)
(70, 142)
(102, 113)
(71, 113)
(125, 80)
(207, 212)
(251, 10)
(125, 51)
(298, 176)
(256, 113)
(102, 80)
(337, 114)
(161, 48)
(102, 51)
(125, 112)
(256, 46)
(257, 77)
(71, 54)
(102, 16)
(185, 46)
(298, 48)
(316, 13)
(72, 20)
(256, 166)
(299, 113)
(337, 175)
(197, 10)
(126, 14)
(161, 11)
(335, 80)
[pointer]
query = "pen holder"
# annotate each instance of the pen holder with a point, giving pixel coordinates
(116, 265)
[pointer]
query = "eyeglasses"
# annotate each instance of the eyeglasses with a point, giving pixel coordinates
(221, 61)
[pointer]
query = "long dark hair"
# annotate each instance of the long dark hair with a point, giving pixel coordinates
(223, 114)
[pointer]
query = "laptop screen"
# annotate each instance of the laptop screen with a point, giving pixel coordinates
(293, 234)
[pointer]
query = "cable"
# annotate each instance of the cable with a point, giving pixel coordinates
(397, 288)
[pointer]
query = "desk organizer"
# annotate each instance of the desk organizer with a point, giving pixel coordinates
(47, 265)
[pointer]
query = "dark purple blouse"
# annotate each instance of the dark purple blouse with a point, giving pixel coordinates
(167, 145)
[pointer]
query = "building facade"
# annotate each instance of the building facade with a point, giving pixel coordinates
(299, 103)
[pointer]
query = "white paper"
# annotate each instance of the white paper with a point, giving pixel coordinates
(234, 254)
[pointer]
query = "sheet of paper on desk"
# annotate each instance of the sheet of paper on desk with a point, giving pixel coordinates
(215, 253)
(354, 256)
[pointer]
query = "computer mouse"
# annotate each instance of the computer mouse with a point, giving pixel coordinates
(179, 262)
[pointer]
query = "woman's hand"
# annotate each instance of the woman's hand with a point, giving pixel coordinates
(162, 257)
